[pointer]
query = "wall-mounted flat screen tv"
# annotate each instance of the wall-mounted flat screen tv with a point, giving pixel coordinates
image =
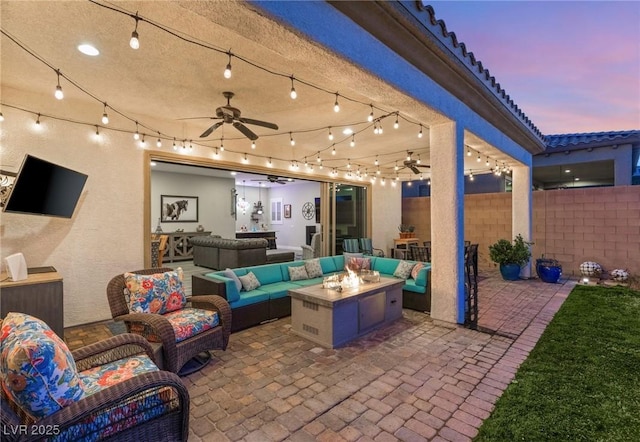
(44, 188)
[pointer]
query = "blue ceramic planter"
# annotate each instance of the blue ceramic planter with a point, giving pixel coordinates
(510, 272)
(548, 270)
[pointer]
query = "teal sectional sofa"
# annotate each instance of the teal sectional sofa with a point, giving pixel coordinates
(271, 301)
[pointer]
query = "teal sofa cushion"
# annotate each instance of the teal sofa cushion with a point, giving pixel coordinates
(338, 260)
(328, 265)
(268, 273)
(385, 265)
(308, 282)
(233, 294)
(248, 298)
(279, 289)
(410, 285)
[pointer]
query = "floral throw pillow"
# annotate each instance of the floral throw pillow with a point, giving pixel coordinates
(249, 282)
(357, 264)
(158, 293)
(416, 269)
(297, 273)
(403, 270)
(37, 370)
(313, 268)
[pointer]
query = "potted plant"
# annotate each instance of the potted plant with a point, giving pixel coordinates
(510, 256)
(548, 269)
(406, 230)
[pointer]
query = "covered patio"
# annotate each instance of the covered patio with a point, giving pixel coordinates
(418, 379)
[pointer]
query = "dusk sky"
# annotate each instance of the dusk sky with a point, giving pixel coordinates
(571, 66)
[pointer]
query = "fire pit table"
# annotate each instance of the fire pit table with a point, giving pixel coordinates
(334, 316)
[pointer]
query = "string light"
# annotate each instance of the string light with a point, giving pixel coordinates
(478, 159)
(487, 162)
(174, 145)
(221, 144)
(396, 166)
(333, 152)
(330, 134)
(380, 128)
(190, 145)
(253, 144)
(58, 93)
(216, 154)
(375, 128)
(370, 117)
(136, 136)
(318, 158)
(471, 176)
(353, 141)
(143, 143)
(38, 120)
(159, 142)
(376, 162)
(105, 117)
(1, 116)
(97, 132)
(336, 105)
(245, 160)
(396, 124)
(293, 94)
(420, 133)
(134, 42)
(269, 162)
(419, 160)
(291, 140)
(227, 70)
(468, 152)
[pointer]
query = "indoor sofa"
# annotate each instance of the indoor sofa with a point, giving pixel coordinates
(219, 253)
(270, 299)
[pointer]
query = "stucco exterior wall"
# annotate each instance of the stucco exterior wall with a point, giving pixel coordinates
(572, 225)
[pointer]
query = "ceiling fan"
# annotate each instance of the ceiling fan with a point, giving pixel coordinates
(414, 164)
(276, 179)
(231, 115)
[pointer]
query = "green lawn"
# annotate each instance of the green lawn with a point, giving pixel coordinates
(582, 380)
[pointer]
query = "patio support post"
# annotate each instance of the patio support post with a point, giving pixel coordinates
(447, 222)
(521, 208)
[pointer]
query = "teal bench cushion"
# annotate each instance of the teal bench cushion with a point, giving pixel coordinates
(268, 273)
(328, 265)
(411, 286)
(279, 289)
(248, 298)
(231, 289)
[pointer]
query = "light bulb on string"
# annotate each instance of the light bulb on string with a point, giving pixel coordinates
(291, 140)
(468, 152)
(330, 134)
(419, 160)
(353, 141)
(253, 144)
(136, 135)
(190, 145)
(38, 120)
(318, 158)
(375, 128)
(487, 162)
(227, 70)
(105, 117)
(143, 143)
(134, 42)
(471, 176)
(336, 105)
(221, 144)
(58, 93)
(333, 152)
(478, 159)
(380, 129)
(245, 160)
(159, 142)
(293, 94)
(97, 132)
(269, 162)
(376, 162)
(370, 117)
(420, 133)
(1, 116)
(396, 124)
(396, 166)
(216, 153)
(174, 145)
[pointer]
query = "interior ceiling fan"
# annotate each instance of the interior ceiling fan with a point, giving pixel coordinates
(413, 164)
(276, 179)
(232, 115)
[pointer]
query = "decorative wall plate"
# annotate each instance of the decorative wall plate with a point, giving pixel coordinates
(308, 210)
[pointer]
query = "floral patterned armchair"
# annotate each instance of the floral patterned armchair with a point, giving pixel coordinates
(152, 303)
(108, 390)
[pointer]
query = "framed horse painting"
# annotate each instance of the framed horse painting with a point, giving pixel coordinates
(178, 209)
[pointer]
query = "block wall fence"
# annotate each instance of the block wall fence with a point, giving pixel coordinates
(571, 225)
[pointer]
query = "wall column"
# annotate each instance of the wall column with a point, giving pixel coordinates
(521, 208)
(447, 222)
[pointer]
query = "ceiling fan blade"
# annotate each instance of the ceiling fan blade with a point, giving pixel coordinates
(415, 170)
(199, 118)
(258, 123)
(245, 130)
(207, 132)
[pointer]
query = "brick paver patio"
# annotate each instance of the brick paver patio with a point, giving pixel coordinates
(412, 381)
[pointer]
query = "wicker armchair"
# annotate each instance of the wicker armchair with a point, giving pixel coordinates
(147, 404)
(157, 327)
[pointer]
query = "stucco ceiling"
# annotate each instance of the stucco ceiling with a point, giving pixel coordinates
(168, 81)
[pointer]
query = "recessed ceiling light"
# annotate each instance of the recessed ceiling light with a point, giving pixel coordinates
(88, 49)
(347, 131)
